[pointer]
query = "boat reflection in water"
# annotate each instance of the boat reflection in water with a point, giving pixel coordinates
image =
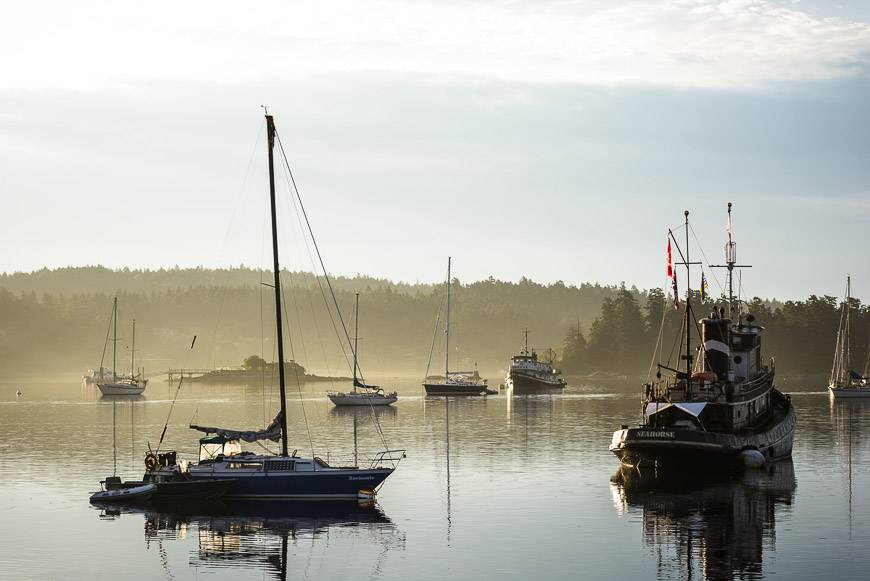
(698, 527)
(257, 534)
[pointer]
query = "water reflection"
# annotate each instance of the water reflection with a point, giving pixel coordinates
(262, 535)
(700, 527)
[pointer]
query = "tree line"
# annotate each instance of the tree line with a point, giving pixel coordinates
(800, 335)
(57, 320)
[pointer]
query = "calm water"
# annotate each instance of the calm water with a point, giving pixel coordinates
(525, 492)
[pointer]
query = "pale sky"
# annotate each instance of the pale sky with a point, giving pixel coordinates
(552, 139)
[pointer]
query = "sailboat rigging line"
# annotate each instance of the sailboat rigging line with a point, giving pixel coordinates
(706, 260)
(434, 335)
(224, 288)
(319, 284)
(169, 415)
(296, 375)
(659, 347)
(296, 211)
(328, 280)
(114, 444)
(106, 344)
(313, 239)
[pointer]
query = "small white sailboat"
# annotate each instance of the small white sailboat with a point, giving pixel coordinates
(131, 385)
(362, 394)
(844, 382)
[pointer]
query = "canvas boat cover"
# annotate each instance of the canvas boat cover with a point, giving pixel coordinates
(693, 409)
(271, 432)
(358, 383)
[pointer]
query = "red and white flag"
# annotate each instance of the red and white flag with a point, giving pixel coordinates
(670, 261)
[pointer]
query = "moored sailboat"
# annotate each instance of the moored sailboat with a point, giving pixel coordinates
(845, 382)
(455, 382)
(721, 410)
(132, 384)
(362, 393)
(281, 476)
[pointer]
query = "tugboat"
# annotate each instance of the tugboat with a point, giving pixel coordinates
(844, 381)
(454, 382)
(722, 409)
(528, 374)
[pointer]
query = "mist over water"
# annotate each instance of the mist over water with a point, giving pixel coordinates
(528, 490)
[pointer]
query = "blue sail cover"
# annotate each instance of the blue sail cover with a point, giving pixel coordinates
(358, 383)
(272, 432)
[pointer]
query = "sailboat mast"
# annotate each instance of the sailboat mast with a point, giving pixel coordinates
(355, 348)
(847, 354)
(115, 340)
(447, 328)
(270, 130)
(133, 352)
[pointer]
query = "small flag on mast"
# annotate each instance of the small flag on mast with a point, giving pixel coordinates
(704, 290)
(676, 292)
(670, 261)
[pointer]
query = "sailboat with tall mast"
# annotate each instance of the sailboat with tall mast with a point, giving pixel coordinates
(722, 408)
(131, 385)
(362, 393)
(269, 476)
(844, 381)
(454, 382)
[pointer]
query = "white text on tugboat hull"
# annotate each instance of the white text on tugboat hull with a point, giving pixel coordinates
(660, 435)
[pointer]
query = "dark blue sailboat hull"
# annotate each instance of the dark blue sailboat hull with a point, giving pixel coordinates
(325, 484)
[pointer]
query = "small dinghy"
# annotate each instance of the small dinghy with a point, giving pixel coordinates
(115, 491)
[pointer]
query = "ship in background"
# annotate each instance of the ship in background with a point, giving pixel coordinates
(528, 374)
(721, 408)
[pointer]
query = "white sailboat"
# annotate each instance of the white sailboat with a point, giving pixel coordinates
(845, 382)
(455, 382)
(131, 385)
(362, 394)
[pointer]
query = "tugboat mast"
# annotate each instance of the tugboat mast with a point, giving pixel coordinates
(731, 264)
(688, 305)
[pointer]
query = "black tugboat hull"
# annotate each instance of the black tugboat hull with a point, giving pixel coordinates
(647, 446)
(523, 384)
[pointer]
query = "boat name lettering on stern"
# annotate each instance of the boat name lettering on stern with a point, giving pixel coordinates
(650, 434)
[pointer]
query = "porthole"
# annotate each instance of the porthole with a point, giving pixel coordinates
(738, 359)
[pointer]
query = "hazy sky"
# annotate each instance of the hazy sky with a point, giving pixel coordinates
(556, 140)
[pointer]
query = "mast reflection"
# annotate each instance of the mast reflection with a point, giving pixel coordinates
(703, 527)
(257, 534)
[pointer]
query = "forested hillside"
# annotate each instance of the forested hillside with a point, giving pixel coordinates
(57, 321)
